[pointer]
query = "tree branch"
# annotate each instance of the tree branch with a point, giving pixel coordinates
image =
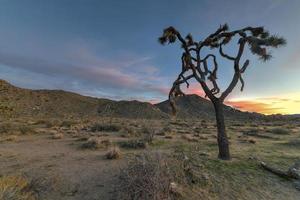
(225, 55)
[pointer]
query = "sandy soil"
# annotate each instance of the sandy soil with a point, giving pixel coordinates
(59, 168)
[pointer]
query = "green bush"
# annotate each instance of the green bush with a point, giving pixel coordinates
(133, 144)
(105, 127)
(280, 131)
(67, 124)
(26, 129)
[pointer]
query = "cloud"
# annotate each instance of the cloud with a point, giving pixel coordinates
(93, 74)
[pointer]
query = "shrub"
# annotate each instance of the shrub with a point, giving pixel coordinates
(280, 131)
(15, 188)
(12, 138)
(67, 124)
(95, 143)
(26, 129)
(133, 144)
(5, 127)
(189, 138)
(293, 143)
(149, 133)
(146, 177)
(57, 136)
(47, 123)
(128, 131)
(113, 153)
(105, 127)
(252, 141)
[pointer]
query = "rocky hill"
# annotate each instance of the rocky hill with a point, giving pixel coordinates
(16, 102)
(19, 102)
(194, 106)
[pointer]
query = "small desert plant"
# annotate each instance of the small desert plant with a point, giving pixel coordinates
(15, 188)
(167, 129)
(146, 177)
(189, 138)
(95, 143)
(252, 141)
(57, 136)
(280, 131)
(129, 131)
(133, 144)
(26, 129)
(293, 143)
(46, 123)
(149, 133)
(113, 153)
(67, 124)
(5, 128)
(169, 137)
(105, 127)
(11, 138)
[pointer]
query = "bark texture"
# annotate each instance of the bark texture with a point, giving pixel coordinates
(223, 143)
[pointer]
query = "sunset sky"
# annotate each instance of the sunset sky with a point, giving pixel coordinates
(109, 49)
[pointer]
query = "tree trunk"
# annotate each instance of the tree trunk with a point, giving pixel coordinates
(222, 137)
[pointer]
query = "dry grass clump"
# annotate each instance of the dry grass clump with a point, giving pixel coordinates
(12, 128)
(200, 136)
(146, 177)
(128, 131)
(15, 188)
(11, 138)
(46, 123)
(113, 153)
(96, 143)
(148, 133)
(57, 136)
(189, 138)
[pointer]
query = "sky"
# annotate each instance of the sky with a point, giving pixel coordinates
(109, 49)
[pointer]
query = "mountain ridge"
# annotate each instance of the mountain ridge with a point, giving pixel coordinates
(19, 102)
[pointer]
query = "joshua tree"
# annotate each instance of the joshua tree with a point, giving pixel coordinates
(195, 65)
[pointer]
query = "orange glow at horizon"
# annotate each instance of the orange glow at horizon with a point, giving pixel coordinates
(284, 104)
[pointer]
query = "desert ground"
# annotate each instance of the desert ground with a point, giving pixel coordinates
(117, 158)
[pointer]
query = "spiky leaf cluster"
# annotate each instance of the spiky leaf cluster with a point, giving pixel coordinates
(169, 36)
(258, 45)
(189, 39)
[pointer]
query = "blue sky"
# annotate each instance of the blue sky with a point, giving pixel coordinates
(109, 48)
